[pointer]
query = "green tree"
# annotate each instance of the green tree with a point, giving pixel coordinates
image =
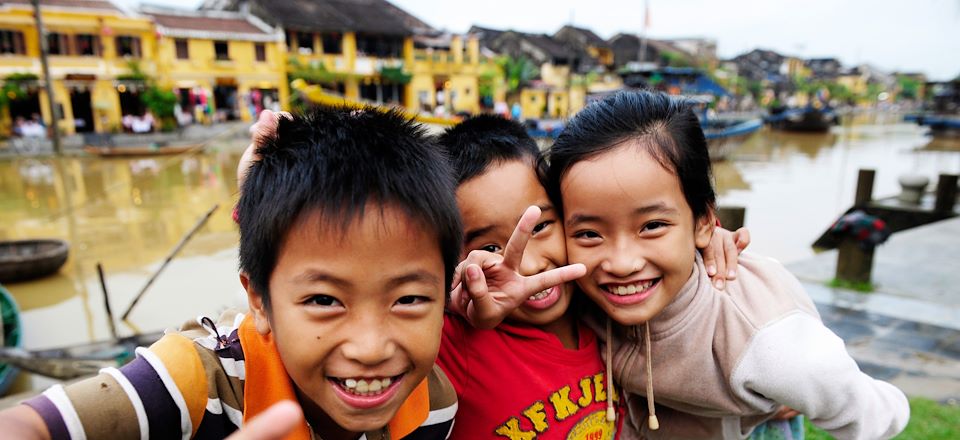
(518, 72)
(14, 87)
(161, 101)
(909, 87)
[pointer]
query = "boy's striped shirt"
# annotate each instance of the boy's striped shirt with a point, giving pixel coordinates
(191, 384)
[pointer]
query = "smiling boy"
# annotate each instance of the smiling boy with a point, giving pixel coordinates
(346, 253)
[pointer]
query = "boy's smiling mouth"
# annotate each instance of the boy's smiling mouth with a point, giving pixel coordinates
(630, 293)
(544, 299)
(366, 392)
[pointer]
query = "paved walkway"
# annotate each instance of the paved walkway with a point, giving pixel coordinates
(908, 331)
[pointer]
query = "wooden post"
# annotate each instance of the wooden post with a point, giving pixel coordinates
(731, 217)
(946, 193)
(864, 187)
(853, 263)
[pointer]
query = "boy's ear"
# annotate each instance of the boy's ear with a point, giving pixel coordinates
(704, 229)
(257, 307)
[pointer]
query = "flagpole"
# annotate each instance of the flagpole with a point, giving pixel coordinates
(643, 34)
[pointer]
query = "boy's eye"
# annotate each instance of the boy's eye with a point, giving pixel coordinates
(412, 299)
(653, 226)
(586, 234)
(492, 248)
(323, 301)
(541, 226)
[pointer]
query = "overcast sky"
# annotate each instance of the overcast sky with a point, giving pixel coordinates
(904, 35)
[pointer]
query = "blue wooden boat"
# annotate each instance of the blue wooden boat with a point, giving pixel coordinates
(725, 135)
(941, 125)
(809, 119)
(11, 336)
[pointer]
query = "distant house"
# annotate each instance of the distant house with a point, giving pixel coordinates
(824, 68)
(626, 49)
(366, 46)
(222, 65)
(761, 65)
(591, 52)
(90, 43)
(552, 94)
(627, 55)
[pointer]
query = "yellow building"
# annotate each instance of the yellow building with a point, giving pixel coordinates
(90, 44)
(445, 75)
(222, 65)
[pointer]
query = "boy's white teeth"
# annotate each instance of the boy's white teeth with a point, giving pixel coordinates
(366, 387)
(541, 294)
(630, 289)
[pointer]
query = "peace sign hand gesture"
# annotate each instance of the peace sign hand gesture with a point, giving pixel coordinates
(488, 286)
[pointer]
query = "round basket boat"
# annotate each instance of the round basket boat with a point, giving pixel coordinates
(22, 260)
(10, 336)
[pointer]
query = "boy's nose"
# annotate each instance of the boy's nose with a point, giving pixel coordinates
(369, 344)
(533, 262)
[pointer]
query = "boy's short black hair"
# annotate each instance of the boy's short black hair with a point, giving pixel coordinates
(338, 160)
(666, 126)
(478, 142)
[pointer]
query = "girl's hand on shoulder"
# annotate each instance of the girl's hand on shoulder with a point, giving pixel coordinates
(720, 256)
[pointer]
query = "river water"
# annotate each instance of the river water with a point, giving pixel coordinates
(127, 214)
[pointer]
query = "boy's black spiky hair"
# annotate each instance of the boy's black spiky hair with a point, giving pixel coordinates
(476, 143)
(337, 161)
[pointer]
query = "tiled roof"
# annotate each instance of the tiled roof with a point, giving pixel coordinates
(370, 16)
(85, 4)
(201, 23)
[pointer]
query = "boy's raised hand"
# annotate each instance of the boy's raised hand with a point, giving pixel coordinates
(264, 128)
(488, 286)
(273, 424)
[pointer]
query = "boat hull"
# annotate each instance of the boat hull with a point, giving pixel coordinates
(144, 150)
(22, 260)
(723, 137)
(808, 120)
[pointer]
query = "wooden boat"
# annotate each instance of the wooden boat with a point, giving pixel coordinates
(80, 360)
(809, 119)
(725, 135)
(22, 260)
(10, 337)
(143, 150)
(941, 125)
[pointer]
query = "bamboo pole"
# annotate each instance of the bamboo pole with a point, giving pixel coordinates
(166, 261)
(106, 301)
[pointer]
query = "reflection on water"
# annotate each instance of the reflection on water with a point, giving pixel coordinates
(795, 185)
(127, 214)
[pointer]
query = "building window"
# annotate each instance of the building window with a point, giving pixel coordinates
(304, 42)
(128, 46)
(87, 45)
(58, 44)
(183, 51)
(332, 44)
(221, 50)
(379, 46)
(11, 43)
(260, 52)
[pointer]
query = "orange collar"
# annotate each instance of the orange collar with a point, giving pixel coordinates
(267, 382)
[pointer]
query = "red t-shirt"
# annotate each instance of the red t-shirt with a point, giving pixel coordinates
(519, 382)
